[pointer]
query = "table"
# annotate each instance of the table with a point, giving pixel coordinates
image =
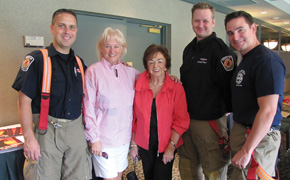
(11, 165)
(11, 158)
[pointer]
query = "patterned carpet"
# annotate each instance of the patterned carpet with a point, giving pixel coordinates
(139, 170)
(284, 160)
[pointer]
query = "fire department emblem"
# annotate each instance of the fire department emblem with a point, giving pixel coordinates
(240, 77)
(26, 63)
(228, 63)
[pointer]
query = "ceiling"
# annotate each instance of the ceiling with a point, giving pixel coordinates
(277, 16)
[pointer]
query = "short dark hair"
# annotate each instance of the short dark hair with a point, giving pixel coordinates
(152, 50)
(203, 5)
(59, 11)
(248, 18)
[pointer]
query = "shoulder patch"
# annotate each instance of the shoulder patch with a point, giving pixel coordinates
(28, 60)
(228, 63)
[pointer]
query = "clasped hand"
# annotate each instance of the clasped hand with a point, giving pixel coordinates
(96, 148)
(168, 155)
(241, 159)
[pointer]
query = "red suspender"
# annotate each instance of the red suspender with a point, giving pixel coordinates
(256, 169)
(223, 142)
(80, 64)
(213, 124)
(45, 91)
(46, 84)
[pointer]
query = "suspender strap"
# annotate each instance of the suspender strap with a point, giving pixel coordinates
(256, 169)
(251, 175)
(223, 141)
(45, 91)
(80, 64)
(46, 86)
(213, 124)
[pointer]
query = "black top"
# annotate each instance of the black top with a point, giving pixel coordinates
(261, 73)
(66, 83)
(153, 138)
(206, 72)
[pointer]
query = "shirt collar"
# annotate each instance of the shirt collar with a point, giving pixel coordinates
(203, 42)
(108, 65)
(53, 52)
(143, 82)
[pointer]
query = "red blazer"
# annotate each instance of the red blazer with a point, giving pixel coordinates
(171, 112)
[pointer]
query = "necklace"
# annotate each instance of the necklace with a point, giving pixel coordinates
(160, 84)
(152, 84)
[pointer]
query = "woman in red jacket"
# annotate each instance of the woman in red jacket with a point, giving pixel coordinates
(160, 115)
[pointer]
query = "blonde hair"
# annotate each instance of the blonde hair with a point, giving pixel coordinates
(203, 5)
(114, 34)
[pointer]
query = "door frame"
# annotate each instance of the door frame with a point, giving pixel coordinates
(164, 30)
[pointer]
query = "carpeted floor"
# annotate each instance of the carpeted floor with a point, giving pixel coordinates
(139, 171)
(284, 161)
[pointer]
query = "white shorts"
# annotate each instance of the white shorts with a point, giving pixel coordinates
(117, 162)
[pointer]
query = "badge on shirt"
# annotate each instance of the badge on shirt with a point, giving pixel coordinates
(228, 63)
(28, 60)
(240, 77)
(202, 61)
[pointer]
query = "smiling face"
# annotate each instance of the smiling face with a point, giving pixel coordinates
(64, 31)
(156, 65)
(202, 23)
(241, 35)
(111, 50)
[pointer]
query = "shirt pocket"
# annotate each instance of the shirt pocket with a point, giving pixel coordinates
(58, 83)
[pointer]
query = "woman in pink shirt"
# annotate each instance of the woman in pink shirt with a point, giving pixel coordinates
(108, 105)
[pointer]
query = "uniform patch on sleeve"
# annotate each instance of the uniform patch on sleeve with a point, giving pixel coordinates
(228, 63)
(27, 61)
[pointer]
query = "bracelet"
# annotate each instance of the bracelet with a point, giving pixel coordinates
(133, 145)
(173, 143)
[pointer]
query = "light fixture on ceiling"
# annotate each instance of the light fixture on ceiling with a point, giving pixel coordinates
(264, 12)
(271, 44)
(285, 47)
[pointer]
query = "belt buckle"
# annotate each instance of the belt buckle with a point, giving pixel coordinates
(55, 124)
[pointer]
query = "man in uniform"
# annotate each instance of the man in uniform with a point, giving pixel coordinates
(208, 65)
(60, 151)
(257, 95)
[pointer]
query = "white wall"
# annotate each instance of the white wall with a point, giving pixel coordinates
(33, 17)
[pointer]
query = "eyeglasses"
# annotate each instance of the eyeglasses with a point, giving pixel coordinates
(105, 155)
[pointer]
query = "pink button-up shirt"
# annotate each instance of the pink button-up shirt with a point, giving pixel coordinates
(108, 103)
